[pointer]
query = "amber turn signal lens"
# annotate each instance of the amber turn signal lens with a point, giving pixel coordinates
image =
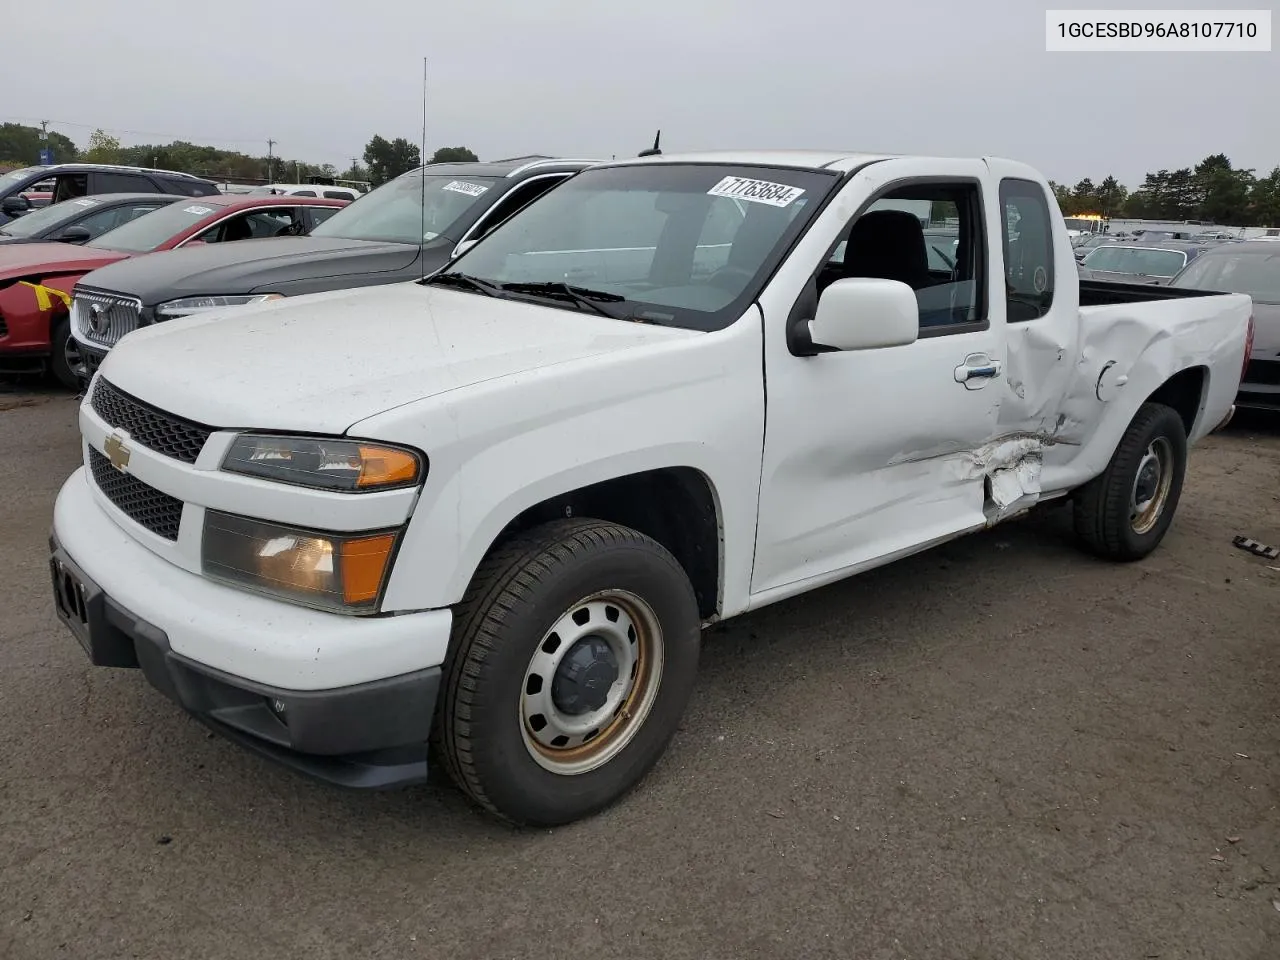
(364, 564)
(382, 466)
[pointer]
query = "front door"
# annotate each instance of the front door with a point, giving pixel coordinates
(869, 455)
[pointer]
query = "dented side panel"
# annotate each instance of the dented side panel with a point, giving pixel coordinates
(1127, 352)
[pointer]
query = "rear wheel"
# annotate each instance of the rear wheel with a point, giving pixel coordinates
(65, 361)
(573, 656)
(1125, 512)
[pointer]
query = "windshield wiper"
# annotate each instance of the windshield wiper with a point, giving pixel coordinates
(582, 296)
(455, 279)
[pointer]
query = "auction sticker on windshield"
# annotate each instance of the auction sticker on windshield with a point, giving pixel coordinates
(462, 186)
(200, 211)
(85, 202)
(757, 191)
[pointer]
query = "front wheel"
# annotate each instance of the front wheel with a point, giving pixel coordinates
(65, 361)
(1124, 513)
(573, 656)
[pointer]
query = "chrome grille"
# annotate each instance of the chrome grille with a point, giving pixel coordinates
(101, 319)
(154, 429)
(140, 502)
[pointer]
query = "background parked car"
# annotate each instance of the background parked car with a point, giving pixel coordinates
(1134, 262)
(82, 219)
(1252, 267)
(404, 229)
(72, 180)
(306, 190)
(36, 279)
(1085, 245)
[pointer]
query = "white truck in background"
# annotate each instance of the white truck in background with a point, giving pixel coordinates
(493, 510)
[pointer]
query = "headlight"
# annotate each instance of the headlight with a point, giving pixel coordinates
(342, 573)
(189, 305)
(350, 466)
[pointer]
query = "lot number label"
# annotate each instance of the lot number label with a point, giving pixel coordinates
(756, 191)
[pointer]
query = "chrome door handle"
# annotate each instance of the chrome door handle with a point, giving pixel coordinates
(976, 370)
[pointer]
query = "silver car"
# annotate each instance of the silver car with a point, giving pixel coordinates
(1251, 267)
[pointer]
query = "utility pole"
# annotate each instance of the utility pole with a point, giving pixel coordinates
(270, 145)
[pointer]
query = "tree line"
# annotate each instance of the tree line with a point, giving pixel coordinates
(383, 159)
(1212, 191)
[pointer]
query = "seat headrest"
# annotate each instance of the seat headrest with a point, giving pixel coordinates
(888, 244)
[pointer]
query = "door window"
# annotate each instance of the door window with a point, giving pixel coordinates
(276, 222)
(929, 236)
(68, 186)
(122, 183)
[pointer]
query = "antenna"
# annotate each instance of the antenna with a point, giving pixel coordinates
(422, 159)
(655, 150)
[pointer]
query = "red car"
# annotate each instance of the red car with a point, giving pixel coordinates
(36, 279)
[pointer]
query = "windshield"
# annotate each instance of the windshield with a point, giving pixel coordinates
(14, 177)
(152, 229)
(40, 220)
(1136, 260)
(680, 244)
(1257, 274)
(397, 213)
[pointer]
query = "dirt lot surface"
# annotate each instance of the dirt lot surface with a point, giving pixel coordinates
(998, 749)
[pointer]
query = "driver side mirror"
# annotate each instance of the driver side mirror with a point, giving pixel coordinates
(865, 313)
(15, 205)
(75, 234)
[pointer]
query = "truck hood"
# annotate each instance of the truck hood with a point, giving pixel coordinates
(323, 362)
(249, 266)
(25, 259)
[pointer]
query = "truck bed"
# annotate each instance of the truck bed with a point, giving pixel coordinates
(1102, 293)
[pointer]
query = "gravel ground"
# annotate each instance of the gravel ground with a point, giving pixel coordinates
(998, 749)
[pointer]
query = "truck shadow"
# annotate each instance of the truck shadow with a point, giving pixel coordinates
(849, 624)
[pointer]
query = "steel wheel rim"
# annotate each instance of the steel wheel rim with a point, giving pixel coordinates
(1151, 486)
(574, 744)
(71, 355)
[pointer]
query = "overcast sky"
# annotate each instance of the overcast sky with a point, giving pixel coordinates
(595, 78)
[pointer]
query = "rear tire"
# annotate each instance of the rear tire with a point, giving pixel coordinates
(64, 354)
(573, 656)
(1124, 513)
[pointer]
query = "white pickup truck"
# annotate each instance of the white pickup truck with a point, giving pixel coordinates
(493, 510)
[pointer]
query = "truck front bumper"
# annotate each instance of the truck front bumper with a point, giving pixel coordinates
(130, 608)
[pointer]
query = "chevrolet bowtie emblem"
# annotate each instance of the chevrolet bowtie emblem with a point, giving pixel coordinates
(116, 452)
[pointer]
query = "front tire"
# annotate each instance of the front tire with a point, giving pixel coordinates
(573, 655)
(1124, 513)
(65, 361)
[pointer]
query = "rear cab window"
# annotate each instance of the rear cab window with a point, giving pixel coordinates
(1028, 250)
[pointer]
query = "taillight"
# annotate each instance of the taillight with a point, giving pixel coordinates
(1248, 348)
